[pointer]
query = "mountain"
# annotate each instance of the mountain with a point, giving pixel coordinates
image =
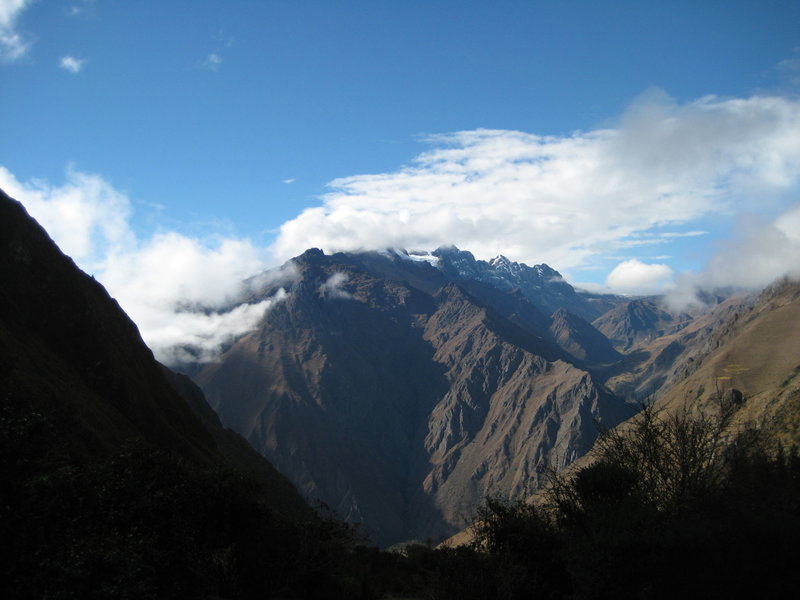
(67, 343)
(659, 358)
(400, 388)
(581, 339)
(543, 286)
(749, 355)
(631, 324)
(118, 478)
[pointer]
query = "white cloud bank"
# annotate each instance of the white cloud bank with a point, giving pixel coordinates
(12, 44)
(568, 200)
(178, 290)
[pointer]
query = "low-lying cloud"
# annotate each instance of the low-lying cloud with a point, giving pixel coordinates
(186, 295)
(332, 288)
(189, 336)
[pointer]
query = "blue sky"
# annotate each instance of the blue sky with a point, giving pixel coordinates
(624, 143)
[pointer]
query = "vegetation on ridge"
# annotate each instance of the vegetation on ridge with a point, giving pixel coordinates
(674, 506)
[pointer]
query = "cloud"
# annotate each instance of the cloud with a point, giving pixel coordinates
(186, 336)
(789, 68)
(566, 200)
(758, 254)
(86, 216)
(72, 64)
(79, 8)
(332, 288)
(12, 44)
(212, 62)
(569, 201)
(178, 290)
(635, 277)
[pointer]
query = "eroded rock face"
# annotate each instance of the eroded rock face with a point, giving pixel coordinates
(401, 393)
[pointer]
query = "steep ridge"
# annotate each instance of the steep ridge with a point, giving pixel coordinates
(656, 362)
(509, 413)
(332, 388)
(70, 355)
(376, 386)
(755, 351)
(638, 322)
(742, 354)
(543, 286)
(581, 339)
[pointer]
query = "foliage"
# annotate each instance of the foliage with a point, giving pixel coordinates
(674, 505)
(143, 523)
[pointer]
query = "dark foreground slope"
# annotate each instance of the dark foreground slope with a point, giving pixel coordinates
(115, 484)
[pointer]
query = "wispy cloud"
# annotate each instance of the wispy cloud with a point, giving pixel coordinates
(332, 288)
(222, 39)
(789, 68)
(652, 239)
(179, 290)
(72, 64)
(13, 44)
(79, 8)
(568, 200)
(212, 62)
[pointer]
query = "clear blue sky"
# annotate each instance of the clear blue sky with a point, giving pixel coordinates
(232, 117)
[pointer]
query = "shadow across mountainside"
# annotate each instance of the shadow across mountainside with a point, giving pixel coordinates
(118, 479)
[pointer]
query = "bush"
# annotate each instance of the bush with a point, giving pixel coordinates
(674, 505)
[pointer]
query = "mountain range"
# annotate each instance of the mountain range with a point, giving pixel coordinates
(398, 388)
(401, 389)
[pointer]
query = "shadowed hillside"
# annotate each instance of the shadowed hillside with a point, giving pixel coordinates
(118, 479)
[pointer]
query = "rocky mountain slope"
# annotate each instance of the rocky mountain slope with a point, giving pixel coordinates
(401, 389)
(741, 355)
(642, 320)
(751, 357)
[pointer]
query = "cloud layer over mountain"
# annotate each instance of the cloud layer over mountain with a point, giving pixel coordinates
(579, 201)
(569, 200)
